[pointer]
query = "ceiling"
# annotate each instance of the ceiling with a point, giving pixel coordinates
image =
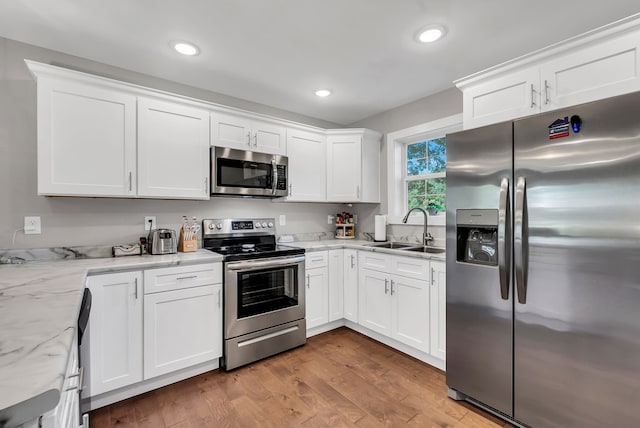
(278, 52)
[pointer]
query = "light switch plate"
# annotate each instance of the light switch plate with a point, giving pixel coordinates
(283, 220)
(32, 225)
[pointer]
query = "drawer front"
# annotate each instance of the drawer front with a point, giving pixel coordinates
(410, 267)
(179, 277)
(316, 259)
(374, 261)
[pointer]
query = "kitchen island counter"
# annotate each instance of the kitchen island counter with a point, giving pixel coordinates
(40, 303)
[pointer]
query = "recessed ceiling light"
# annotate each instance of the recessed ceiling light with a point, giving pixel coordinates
(323, 93)
(186, 48)
(430, 34)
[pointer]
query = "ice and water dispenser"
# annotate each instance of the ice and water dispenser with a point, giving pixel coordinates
(477, 236)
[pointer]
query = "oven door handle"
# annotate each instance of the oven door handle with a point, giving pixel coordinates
(256, 264)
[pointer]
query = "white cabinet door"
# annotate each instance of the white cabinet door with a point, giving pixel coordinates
(182, 328)
(269, 137)
(344, 174)
(173, 150)
(86, 140)
(336, 285)
(115, 332)
(351, 285)
(244, 133)
(603, 70)
(307, 154)
(410, 311)
(230, 131)
(438, 308)
(317, 297)
(374, 307)
(507, 97)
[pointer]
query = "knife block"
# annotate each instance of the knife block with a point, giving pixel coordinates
(187, 245)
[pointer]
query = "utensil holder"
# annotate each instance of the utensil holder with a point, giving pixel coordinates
(187, 245)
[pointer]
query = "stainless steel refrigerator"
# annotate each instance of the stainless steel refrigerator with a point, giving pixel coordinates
(543, 266)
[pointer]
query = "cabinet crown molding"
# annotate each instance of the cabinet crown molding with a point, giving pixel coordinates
(608, 31)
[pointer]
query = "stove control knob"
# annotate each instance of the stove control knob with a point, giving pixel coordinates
(219, 226)
(264, 225)
(270, 224)
(257, 225)
(211, 226)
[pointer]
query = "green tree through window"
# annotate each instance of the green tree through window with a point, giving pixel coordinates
(426, 185)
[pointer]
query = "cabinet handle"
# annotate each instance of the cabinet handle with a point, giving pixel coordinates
(206, 186)
(80, 376)
(533, 97)
(546, 92)
(353, 263)
(249, 138)
(130, 181)
(386, 286)
(357, 192)
(433, 272)
(317, 259)
(255, 139)
(219, 297)
(392, 287)
(308, 282)
(289, 189)
(187, 277)
(135, 281)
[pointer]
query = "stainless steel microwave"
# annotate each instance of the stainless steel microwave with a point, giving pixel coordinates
(246, 173)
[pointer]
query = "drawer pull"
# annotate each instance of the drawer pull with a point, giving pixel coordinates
(187, 277)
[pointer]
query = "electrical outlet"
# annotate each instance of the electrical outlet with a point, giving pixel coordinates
(283, 220)
(149, 222)
(329, 219)
(32, 225)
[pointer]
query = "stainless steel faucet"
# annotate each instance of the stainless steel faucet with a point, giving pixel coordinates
(426, 236)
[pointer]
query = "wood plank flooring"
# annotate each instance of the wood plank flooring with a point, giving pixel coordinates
(338, 379)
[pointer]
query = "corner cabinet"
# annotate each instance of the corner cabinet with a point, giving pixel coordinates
(101, 137)
(307, 154)
(353, 165)
(599, 64)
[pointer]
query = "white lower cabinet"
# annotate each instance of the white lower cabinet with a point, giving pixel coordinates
(182, 324)
(317, 288)
(394, 300)
(181, 328)
(336, 285)
(350, 285)
(438, 307)
(115, 332)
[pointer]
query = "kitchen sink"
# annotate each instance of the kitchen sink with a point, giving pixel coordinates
(430, 250)
(391, 245)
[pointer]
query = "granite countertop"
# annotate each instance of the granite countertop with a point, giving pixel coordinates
(40, 303)
(361, 244)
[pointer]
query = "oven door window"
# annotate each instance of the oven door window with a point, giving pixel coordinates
(239, 173)
(267, 290)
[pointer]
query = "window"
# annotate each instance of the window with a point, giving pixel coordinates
(416, 168)
(424, 174)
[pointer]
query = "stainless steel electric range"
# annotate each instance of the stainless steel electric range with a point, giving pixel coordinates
(264, 298)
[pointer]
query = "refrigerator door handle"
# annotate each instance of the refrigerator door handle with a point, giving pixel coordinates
(519, 241)
(504, 259)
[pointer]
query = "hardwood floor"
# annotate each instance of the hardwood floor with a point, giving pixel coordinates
(338, 379)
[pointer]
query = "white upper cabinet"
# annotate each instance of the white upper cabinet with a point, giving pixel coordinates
(245, 133)
(99, 137)
(353, 166)
(307, 154)
(597, 65)
(86, 139)
(173, 150)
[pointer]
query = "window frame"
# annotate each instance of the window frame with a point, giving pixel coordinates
(396, 142)
(406, 178)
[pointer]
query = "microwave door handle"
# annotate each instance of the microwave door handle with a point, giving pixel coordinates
(274, 172)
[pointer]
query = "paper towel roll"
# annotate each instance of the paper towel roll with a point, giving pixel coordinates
(380, 228)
